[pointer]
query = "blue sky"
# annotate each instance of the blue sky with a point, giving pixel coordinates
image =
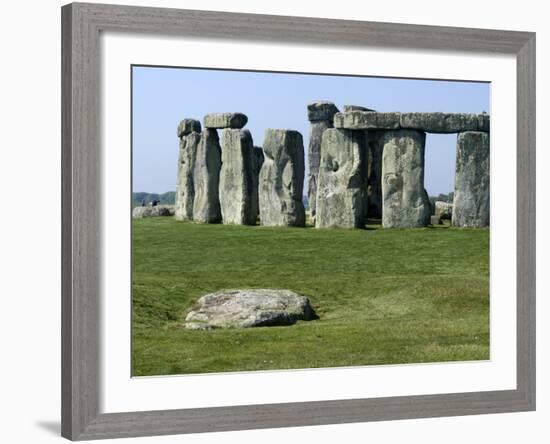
(163, 96)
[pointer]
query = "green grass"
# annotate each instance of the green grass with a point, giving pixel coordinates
(383, 296)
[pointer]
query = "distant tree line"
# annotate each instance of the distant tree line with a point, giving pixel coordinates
(168, 198)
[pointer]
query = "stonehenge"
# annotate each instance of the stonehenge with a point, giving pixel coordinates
(281, 180)
(342, 182)
(361, 164)
(471, 197)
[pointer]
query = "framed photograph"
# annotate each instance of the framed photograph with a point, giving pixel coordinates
(276, 221)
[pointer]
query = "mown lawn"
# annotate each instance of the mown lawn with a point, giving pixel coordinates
(383, 296)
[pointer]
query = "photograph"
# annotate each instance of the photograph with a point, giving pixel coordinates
(287, 221)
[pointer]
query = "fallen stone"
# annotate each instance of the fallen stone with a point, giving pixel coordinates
(471, 204)
(185, 185)
(445, 122)
(225, 120)
(206, 205)
(238, 189)
(405, 201)
(444, 209)
(435, 220)
(321, 110)
(281, 181)
(316, 130)
(150, 211)
(188, 126)
(362, 120)
(249, 308)
(342, 190)
(356, 108)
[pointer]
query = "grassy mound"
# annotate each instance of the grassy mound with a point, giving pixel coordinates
(383, 296)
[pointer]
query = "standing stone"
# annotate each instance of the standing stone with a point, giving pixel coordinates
(321, 115)
(321, 111)
(472, 180)
(282, 179)
(342, 191)
(238, 188)
(374, 189)
(443, 209)
(206, 206)
(258, 159)
(188, 126)
(405, 201)
(185, 185)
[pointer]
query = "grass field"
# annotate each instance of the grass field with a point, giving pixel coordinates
(383, 296)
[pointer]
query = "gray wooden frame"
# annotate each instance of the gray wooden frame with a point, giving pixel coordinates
(81, 168)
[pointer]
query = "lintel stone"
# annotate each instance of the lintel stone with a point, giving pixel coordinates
(445, 123)
(225, 120)
(362, 120)
(357, 108)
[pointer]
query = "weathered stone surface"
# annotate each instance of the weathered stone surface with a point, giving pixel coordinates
(185, 185)
(405, 201)
(445, 122)
(281, 181)
(444, 209)
(188, 126)
(321, 110)
(342, 191)
(374, 188)
(354, 118)
(258, 159)
(225, 120)
(356, 108)
(206, 205)
(150, 211)
(238, 187)
(316, 130)
(471, 203)
(435, 220)
(362, 120)
(249, 308)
